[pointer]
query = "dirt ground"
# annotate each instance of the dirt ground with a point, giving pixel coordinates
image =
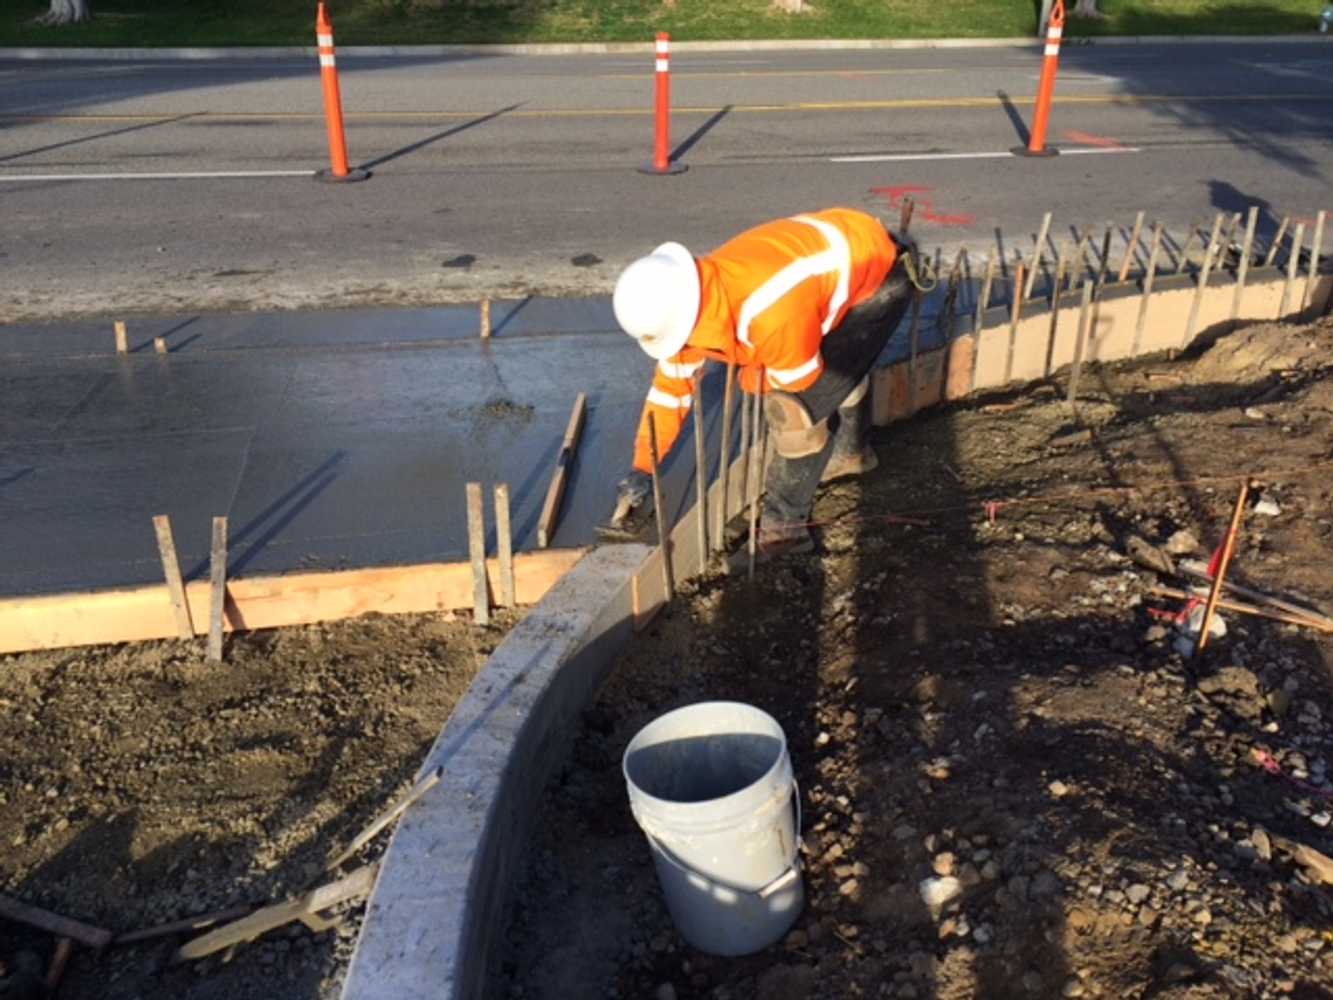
(992, 713)
(140, 784)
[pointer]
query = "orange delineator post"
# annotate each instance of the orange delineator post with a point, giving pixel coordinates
(1046, 88)
(661, 162)
(333, 105)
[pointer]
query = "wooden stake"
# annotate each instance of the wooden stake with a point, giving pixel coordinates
(122, 338)
(1037, 252)
(948, 318)
(1228, 549)
(701, 466)
(55, 971)
(913, 343)
(1131, 249)
(1293, 262)
(1148, 277)
(1316, 248)
(755, 455)
(1209, 252)
(1199, 568)
(388, 816)
(1277, 241)
(1189, 242)
(476, 547)
(1243, 268)
(186, 924)
(1084, 319)
(1080, 258)
(1015, 314)
(1242, 608)
(217, 588)
(485, 319)
(663, 533)
(34, 916)
(504, 546)
(905, 215)
(305, 908)
(160, 345)
(983, 299)
(166, 548)
(724, 469)
(1055, 311)
(746, 432)
(1104, 264)
(556, 491)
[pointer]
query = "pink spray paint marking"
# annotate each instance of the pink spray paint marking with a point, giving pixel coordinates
(925, 207)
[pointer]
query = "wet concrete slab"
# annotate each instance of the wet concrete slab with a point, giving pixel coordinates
(330, 439)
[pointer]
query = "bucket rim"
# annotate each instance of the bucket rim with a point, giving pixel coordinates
(781, 769)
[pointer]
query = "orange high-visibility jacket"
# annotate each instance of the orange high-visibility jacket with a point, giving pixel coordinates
(767, 299)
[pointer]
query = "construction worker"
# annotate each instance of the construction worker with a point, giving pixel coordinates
(803, 306)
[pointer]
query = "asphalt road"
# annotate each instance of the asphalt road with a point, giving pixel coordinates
(517, 174)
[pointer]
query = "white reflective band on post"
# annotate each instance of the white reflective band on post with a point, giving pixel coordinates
(663, 48)
(785, 376)
(326, 60)
(667, 401)
(663, 66)
(1052, 50)
(324, 39)
(672, 370)
(1054, 31)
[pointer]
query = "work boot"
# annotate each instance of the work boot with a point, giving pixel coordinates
(774, 540)
(852, 454)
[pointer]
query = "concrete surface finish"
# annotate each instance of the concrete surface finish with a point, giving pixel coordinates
(330, 440)
(509, 174)
(444, 884)
(335, 440)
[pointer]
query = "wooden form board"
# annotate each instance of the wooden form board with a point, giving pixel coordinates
(978, 361)
(647, 586)
(137, 613)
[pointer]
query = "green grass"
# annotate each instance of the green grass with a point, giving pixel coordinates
(367, 22)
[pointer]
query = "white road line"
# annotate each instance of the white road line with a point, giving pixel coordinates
(998, 155)
(207, 174)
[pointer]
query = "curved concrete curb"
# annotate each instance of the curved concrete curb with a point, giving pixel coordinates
(611, 48)
(444, 881)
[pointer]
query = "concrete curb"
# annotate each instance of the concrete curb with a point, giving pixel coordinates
(611, 48)
(444, 883)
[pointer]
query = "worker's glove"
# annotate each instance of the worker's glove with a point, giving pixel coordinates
(633, 490)
(628, 521)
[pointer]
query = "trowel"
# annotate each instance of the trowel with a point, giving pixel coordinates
(628, 523)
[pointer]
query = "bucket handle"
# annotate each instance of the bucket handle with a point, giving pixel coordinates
(788, 876)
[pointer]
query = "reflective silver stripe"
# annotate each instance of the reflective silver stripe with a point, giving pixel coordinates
(667, 401)
(663, 47)
(324, 39)
(785, 376)
(663, 66)
(838, 243)
(838, 257)
(1052, 50)
(1054, 31)
(672, 370)
(326, 61)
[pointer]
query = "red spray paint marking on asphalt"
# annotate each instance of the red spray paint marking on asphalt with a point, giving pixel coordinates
(1088, 139)
(925, 207)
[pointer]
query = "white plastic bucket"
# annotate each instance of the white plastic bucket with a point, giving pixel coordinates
(711, 786)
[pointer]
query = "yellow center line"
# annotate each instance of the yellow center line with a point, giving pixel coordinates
(902, 103)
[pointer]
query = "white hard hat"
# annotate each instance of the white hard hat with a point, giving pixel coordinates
(657, 300)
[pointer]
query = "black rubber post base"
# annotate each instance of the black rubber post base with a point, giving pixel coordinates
(673, 167)
(1048, 151)
(353, 175)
